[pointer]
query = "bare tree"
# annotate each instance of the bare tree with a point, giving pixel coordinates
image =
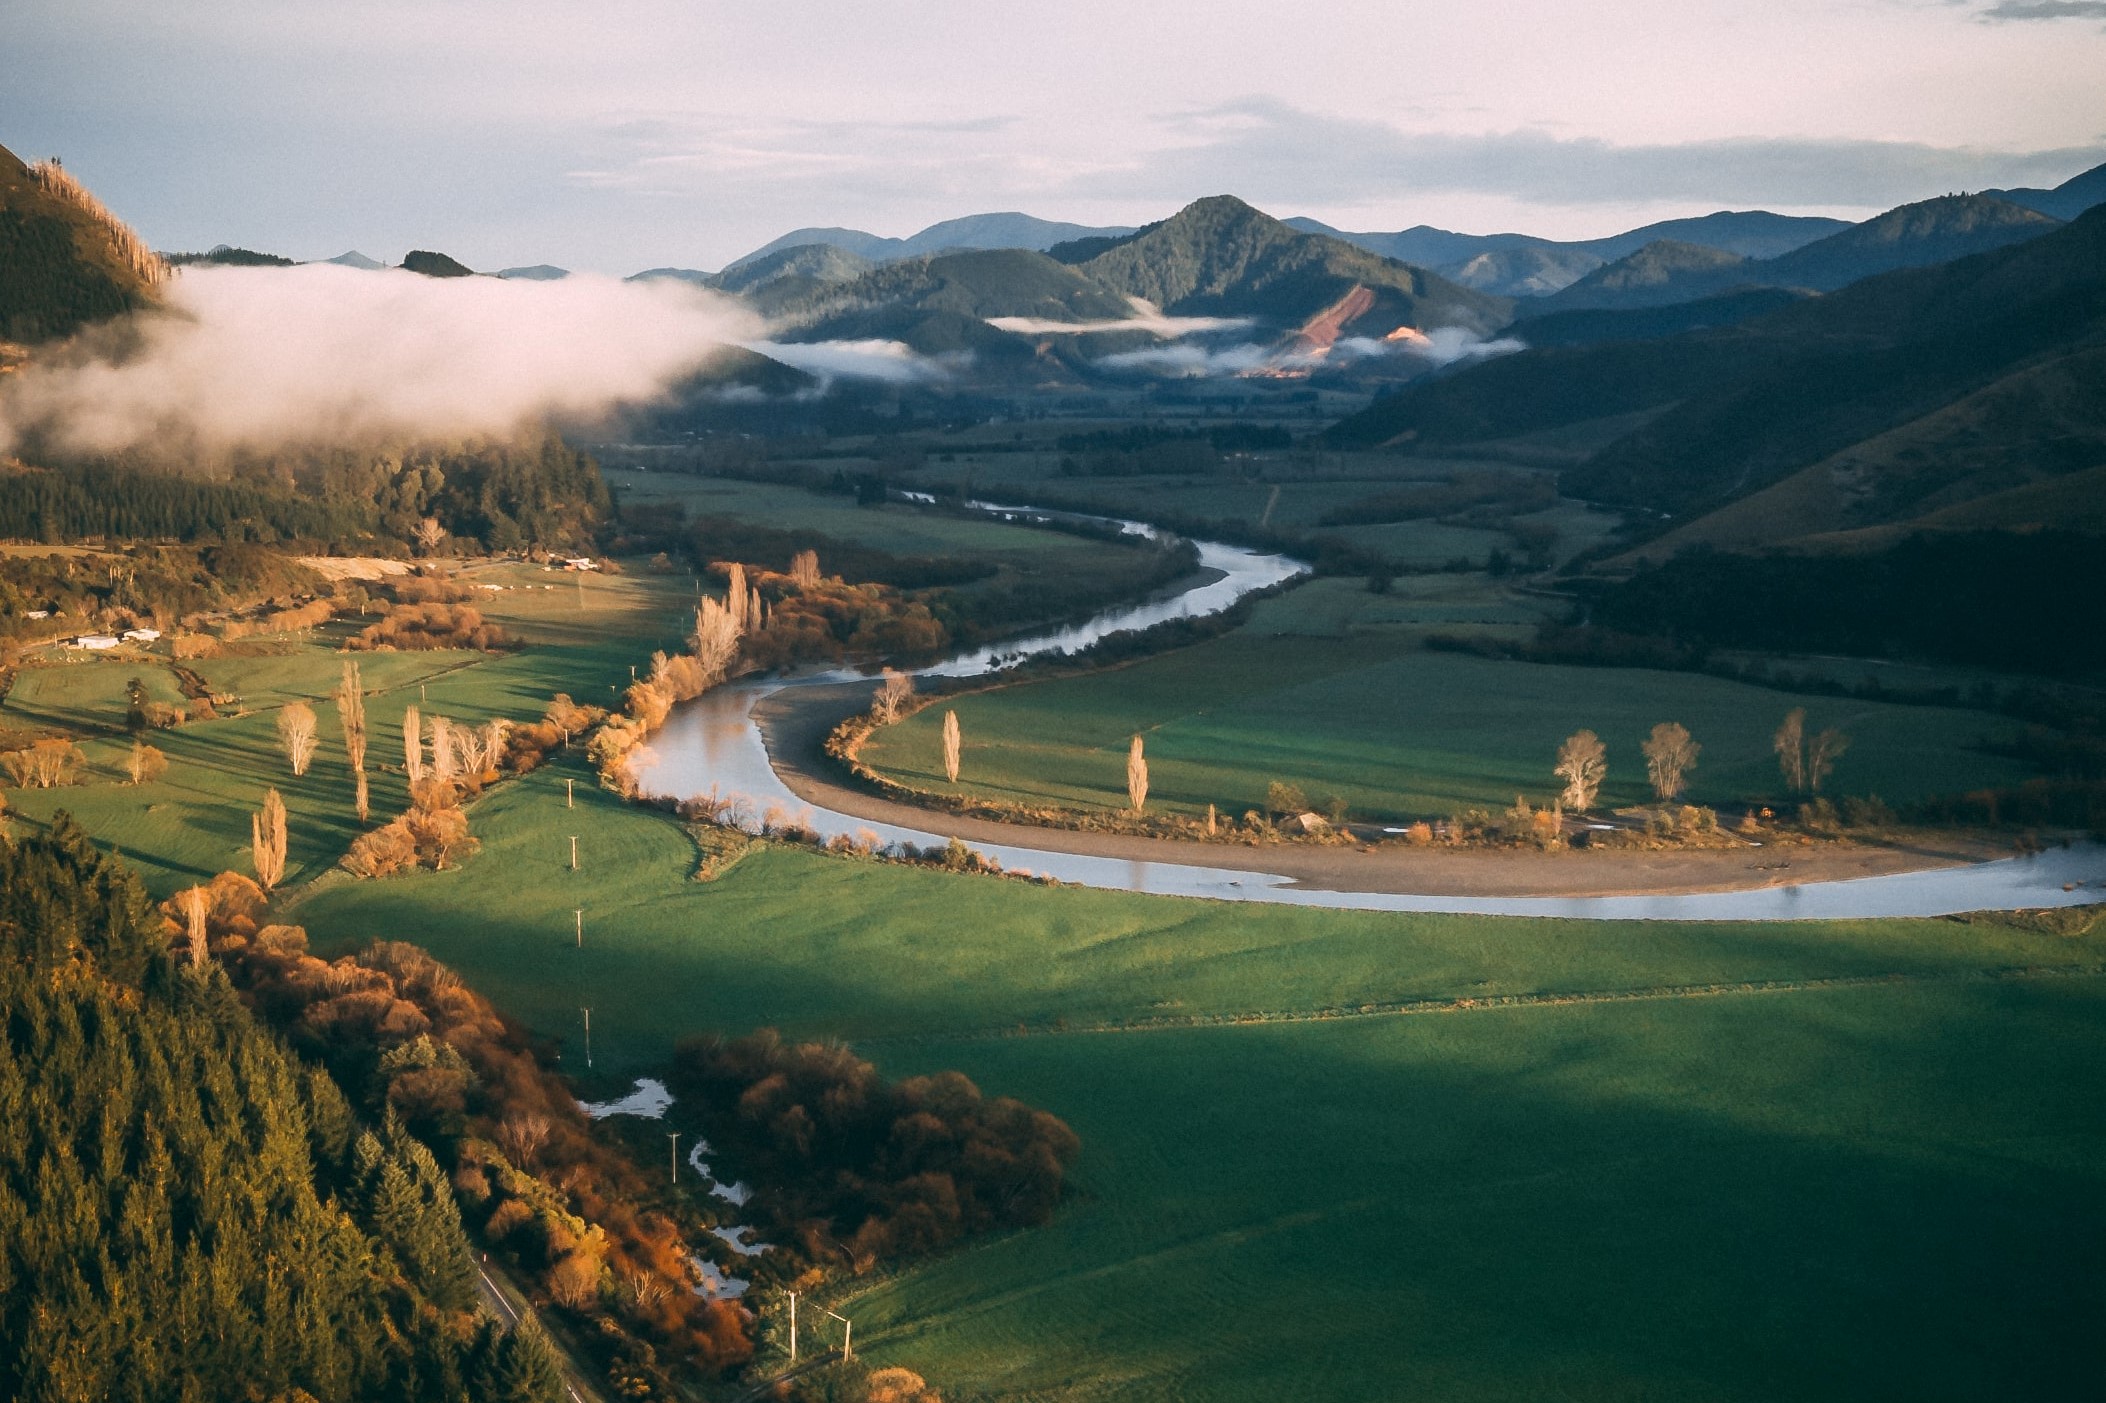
(45, 765)
(442, 750)
(1790, 745)
(951, 746)
(145, 764)
(193, 903)
(429, 534)
(1827, 748)
(804, 569)
(1669, 757)
(892, 695)
(296, 734)
(351, 711)
(268, 841)
(521, 1134)
(738, 599)
(413, 743)
(1583, 763)
(1137, 776)
(716, 640)
(494, 733)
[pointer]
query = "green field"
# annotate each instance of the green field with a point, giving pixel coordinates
(1327, 688)
(1884, 1189)
(584, 632)
(1850, 1160)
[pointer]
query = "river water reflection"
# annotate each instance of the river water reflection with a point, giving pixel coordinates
(714, 743)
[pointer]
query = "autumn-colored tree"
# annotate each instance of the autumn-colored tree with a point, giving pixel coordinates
(1583, 764)
(413, 743)
(1821, 755)
(1670, 755)
(145, 763)
(268, 841)
(296, 734)
(429, 534)
(351, 712)
(194, 902)
(892, 695)
(45, 765)
(804, 569)
(1790, 745)
(738, 599)
(716, 640)
(1137, 776)
(442, 751)
(950, 746)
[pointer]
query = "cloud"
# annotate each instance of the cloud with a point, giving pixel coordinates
(1441, 346)
(1146, 317)
(893, 362)
(259, 357)
(2046, 9)
(1276, 153)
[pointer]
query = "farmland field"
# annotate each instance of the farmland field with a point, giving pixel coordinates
(1888, 1187)
(1327, 689)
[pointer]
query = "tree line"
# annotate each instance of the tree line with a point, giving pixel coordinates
(187, 1209)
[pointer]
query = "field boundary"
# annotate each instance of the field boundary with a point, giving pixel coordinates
(1403, 1008)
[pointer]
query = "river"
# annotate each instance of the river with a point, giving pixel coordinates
(714, 743)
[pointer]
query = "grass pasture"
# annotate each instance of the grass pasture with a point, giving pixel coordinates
(1884, 1189)
(1326, 688)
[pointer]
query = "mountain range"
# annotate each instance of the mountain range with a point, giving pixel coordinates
(973, 231)
(1971, 393)
(1911, 236)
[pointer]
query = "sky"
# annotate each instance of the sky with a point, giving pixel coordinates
(617, 135)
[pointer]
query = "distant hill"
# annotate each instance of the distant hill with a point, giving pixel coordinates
(65, 261)
(1911, 236)
(1660, 273)
(1522, 265)
(228, 256)
(2067, 200)
(1592, 326)
(535, 273)
(435, 265)
(974, 231)
(1220, 257)
(1907, 397)
(355, 259)
(685, 275)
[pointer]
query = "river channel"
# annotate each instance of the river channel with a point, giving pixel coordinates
(714, 742)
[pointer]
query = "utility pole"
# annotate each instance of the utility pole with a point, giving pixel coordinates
(674, 1136)
(580, 915)
(573, 852)
(588, 1039)
(793, 1327)
(570, 793)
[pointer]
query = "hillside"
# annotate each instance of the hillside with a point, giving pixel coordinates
(1657, 275)
(1910, 236)
(65, 261)
(973, 231)
(2067, 200)
(1902, 396)
(435, 265)
(1220, 257)
(1522, 265)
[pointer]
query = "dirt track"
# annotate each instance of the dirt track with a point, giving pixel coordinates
(795, 724)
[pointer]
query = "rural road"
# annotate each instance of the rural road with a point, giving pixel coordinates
(500, 1304)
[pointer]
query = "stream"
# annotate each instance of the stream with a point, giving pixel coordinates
(713, 742)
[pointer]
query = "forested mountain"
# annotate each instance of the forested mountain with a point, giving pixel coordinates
(435, 265)
(1902, 397)
(1911, 236)
(65, 261)
(1522, 265)
(1220, 257)
(973, 231)
(227, 256)
(187, 1210)
(533, 489)
(2067, 200)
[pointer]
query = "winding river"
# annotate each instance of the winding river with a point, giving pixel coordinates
(714, 743)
